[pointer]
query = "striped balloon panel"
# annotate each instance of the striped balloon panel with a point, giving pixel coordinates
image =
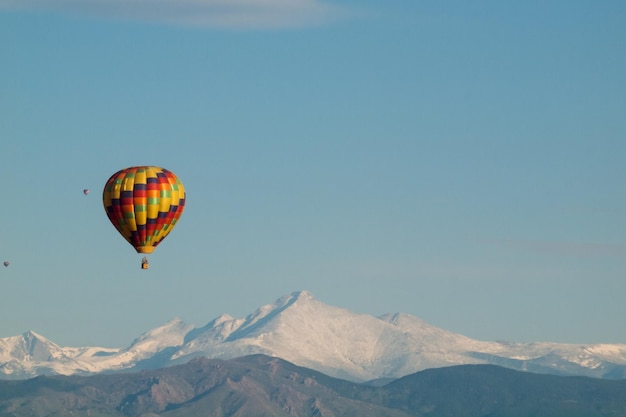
(144, 203)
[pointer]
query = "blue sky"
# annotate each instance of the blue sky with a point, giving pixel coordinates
(460, 161)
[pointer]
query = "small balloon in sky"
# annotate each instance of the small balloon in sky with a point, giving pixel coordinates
(86, 191)
(6, 263)
(144, 204)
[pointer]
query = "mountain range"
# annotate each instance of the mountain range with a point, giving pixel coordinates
(304, 331)
(261, 386)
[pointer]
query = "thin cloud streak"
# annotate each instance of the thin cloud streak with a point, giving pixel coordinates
(564, 248)
(232, 14)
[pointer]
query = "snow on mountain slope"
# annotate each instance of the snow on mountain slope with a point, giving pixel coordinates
(157, 341)
(304, 331)
(307, 332)
(30, 346)
(31, 354)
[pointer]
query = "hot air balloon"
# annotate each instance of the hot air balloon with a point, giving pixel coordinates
(6, 263)
(144, 204)
(86, 191)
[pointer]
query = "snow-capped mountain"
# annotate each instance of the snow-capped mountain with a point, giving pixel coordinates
(307, 332)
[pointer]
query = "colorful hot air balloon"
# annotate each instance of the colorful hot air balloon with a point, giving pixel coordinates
(6, 263)
(86, 191)
(144, 204)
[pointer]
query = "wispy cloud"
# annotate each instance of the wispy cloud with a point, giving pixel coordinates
(564, 248)
(234, 14)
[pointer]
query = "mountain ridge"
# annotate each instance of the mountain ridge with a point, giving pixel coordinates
(305, 331)
(262, 386)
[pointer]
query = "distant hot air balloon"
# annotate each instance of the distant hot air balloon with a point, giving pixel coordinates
(144, 204)
(86, 191)
(6, 263)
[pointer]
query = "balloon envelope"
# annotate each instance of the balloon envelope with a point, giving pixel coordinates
(6, 263)
(86, 191)
(144, 204)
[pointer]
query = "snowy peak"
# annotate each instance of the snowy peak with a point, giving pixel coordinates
(29, 347)
(38, 347)
(266, 317)
(226, 335)
(171, 333)
(149, 345)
